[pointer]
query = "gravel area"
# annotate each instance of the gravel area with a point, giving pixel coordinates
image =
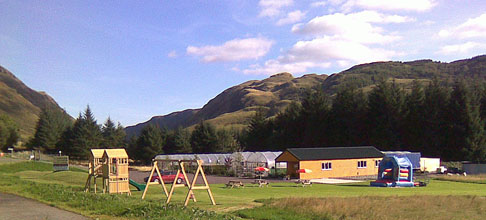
(16, 207)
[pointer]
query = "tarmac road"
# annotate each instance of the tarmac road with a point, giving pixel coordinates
(16, 207)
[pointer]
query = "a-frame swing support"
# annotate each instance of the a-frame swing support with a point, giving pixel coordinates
(149, 182)
(191, 187)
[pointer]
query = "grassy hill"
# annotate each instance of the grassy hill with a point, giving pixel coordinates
(233, 107)
(22, 103)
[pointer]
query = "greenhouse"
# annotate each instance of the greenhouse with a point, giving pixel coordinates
(247, 159)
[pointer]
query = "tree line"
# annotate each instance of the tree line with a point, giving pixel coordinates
(55, 131)
(436, 119)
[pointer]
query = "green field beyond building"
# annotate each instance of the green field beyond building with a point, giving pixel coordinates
(456, 200)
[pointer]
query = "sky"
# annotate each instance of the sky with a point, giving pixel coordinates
(131, 60)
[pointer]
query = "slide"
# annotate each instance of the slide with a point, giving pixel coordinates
(140, 187)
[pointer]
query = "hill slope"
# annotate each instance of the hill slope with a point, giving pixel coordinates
(234, 106)
(22, 103)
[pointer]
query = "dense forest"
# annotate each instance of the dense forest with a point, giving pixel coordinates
(436, 118)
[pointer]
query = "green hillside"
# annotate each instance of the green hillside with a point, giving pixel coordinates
(22, 103)
(233, 107)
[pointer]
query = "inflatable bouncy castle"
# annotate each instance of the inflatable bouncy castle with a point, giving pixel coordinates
(394, 171)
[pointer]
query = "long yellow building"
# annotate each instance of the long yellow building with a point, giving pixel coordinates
(331, 162)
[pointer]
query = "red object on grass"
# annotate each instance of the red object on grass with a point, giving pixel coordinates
(304, 171)
(261, 169)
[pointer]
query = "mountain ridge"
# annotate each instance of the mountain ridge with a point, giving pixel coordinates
(22, 103)
(234, 106)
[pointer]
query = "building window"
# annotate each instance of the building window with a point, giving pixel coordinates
(327, 166)
(377, 163)
(362, 164)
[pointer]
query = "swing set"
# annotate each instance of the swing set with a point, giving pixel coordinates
(181, 169)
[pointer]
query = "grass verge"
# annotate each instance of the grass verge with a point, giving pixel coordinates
(372, 207)
(479, 179)
(104, 206)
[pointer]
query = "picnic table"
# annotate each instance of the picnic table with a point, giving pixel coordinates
(235, 183)
(260, 182)
(304, 182)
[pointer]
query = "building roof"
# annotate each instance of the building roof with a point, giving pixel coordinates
(329, 153)
(97, 153)
(119, 153)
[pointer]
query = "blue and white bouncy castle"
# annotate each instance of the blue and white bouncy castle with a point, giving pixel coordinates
(394, 171)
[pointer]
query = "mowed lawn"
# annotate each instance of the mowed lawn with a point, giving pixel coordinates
(321, 200)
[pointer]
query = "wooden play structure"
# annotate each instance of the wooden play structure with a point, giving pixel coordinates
(181, 168)
(112, 166)
(94, 168)
(115, 171)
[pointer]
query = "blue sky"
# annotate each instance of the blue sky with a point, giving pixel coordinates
(131, 60)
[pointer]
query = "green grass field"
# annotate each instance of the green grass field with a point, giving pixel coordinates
(284, 200)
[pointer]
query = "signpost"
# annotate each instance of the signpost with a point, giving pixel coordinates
(61, 163)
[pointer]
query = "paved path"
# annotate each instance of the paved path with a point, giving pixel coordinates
(16, 207)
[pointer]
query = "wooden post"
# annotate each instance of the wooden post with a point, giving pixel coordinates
(149, 180)
(175, 185)
(193, 187)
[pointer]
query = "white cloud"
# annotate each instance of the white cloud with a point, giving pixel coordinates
(233, 50)
(473, 27)
(321, 52)
(172, 54)
(392, 5)
(461, 48)
(318, 4)
(354, 27)
(339, 39)
(272, 8)
(292, 17)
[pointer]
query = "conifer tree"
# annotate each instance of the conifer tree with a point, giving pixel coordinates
(203, 138)
(49, 129)
(414, 118)
(384, 115)
(149, 144)
(348, 114)
(113, 136)
(258, 132)
(182, 140)
(84, 135)
(435, 124)
(8, 132)
(316, 108)
(466, 134)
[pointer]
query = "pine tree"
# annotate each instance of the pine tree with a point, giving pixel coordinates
(288, 128)
(113, 136)
(466, 134)
(182, 140)
(9, 134)
(258, 132)
(49, 129)
(226, 141)
(84, 135)
(435, 124)
(316, 107)
(149, 144)
(348, 114)
(414, 118)
(384, 115)
(203, 138)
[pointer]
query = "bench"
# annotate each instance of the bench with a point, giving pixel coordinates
(260, 182)
(304, 182)
(234, 183)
